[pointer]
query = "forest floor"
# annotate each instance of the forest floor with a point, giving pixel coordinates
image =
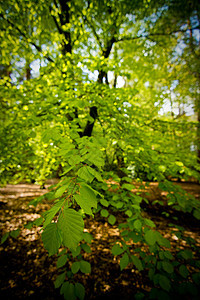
(27, 272)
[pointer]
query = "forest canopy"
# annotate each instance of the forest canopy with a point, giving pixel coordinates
(99, 90)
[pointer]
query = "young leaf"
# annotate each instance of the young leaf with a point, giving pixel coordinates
(168, 255)
(87, 237)
(186, 254)
(86, 248)
(75, 267)
(64, 287)
(35, 201)
(95, 159)
(117, 250)
(15, 233)
(61, 261)
(60, 191)
(49, 215)
(51, 238)
(183, 271)
(96, 174)
(168, 267)
(79, 291)
(150, 237)
(111, 219)
(137, 262)
(4, 237)
(128, 213)
(149, 223)
(71, 224)
(104, 213)
(86, 199)
(137, 225)
(85, 174)
(76, 251)
(85, 267)
(124, 261)
(59, 280)
(196, 214)
(164, 282)
(68, 291)
(38, 221)
(104, 202)
(29, 225)
(162, 241)
(128, 186)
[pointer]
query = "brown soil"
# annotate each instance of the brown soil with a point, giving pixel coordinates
(28, 273)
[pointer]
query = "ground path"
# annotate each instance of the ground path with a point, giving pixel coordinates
(28, 273)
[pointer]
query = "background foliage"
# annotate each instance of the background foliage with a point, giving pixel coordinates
(84, 85)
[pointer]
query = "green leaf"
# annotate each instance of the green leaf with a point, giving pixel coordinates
(111, 219)
(196, 278)
(96, 174)
(117, 250)
(168, 267)
(196, 214)
(85, 267)
(137, 262)
(80, 291)
(149, 223)
(128, 186)
(61, 190)
(29, 225)
(68, 291)
(64, 287)
(4, 237)
(161, 255)
(71, 225)
(168, 255)
(135, 236)
(164, 282)
(162, 241)
(183, 271)
(38, 221)
(150, 237)
(76, 252)
(95, 159)
(85, 174)
(104, 213)
(137, 225)
(119, 204)
(87, 237)
(124, 261)
(62, 252)
(86, 248)
(128, 213)
(104, 202)
(59, 280)
(49, 215)
(67, 170)
(61, 261)
(75, 267)
(51, 238)
(74, 160)
(15, 233)
(186, 254)
(86, 199)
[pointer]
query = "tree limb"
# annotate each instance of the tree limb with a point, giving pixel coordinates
(130, 38)
(38, 48)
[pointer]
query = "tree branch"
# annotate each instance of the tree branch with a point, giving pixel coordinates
(85, 19)
(130, 38)
(55, 21)
(38, 48)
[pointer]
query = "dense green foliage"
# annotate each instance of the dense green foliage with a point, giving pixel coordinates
(65, 112)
